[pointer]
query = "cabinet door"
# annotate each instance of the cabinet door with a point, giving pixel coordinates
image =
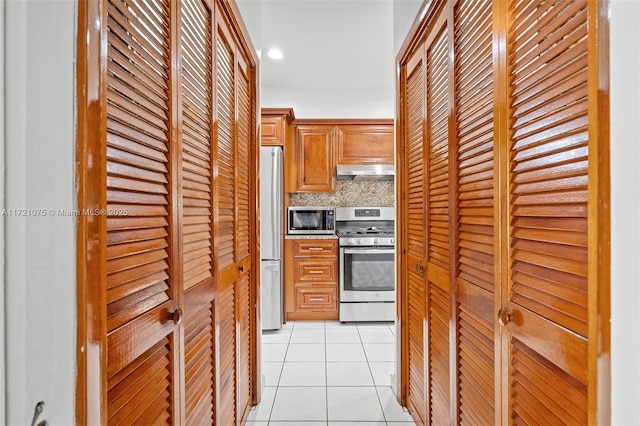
(365, 144)
(411, 178)
(315, 149)
(272, 130)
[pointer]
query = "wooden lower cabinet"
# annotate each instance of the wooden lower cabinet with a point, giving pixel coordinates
(502, 266)
(311, 279)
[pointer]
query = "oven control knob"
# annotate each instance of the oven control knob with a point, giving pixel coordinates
(393, 241)
(375, 241)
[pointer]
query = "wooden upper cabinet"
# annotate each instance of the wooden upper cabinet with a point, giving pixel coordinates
(365, 144)
(315, 158)
(274, 125)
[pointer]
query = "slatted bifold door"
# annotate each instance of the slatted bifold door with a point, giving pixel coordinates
(475, 245)
(197, 201)
(437, 223)
(141, 341)
(547, 297)
(226, 221)
(412, 178)
(245, 216)
(515, 292)
(167, 297)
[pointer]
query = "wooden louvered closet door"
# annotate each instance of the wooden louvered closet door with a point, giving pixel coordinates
(546, 339)
(197, 221)
(245, 217)
(475, 246)
(225, 212)
(142, 343)
(411, 174)
(516, 213)
(438, 285)
(167, 131)
(235, 115)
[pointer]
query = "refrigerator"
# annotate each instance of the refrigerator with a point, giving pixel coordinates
(271, 237)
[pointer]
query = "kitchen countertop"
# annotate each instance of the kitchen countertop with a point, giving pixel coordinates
(311, 237)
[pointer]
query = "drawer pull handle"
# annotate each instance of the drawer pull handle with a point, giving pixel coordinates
(315, 272)
(315, 249)
(316, 299)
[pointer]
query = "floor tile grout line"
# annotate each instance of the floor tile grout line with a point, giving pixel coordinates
(384, 416)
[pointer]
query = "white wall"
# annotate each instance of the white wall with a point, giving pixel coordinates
(3, 380)
(625, 211)
(332, 103)
(404, 13)
(40, 251)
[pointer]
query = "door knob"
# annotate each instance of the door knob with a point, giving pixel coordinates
(419, 268)
(504, 317)
(241, 268)
(176, 316)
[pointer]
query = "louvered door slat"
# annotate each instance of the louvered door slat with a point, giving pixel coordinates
(439, 308)
(549, 192)
(196, 143)
(438, 187)
(128, 389)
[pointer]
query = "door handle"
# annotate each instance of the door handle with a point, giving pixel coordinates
(36, 414)
(419, 268)
(504, 317)
(176, 316)
(241, 268)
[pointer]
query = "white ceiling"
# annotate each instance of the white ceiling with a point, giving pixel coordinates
(327, 44)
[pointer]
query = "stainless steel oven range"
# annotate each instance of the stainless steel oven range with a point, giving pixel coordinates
(367, 263)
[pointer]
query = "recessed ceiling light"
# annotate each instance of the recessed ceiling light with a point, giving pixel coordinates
(275, 54)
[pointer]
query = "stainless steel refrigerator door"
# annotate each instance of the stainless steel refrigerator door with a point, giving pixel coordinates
(271, 292)
(271, 189)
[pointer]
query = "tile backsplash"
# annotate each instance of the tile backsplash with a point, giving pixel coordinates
(364, 193)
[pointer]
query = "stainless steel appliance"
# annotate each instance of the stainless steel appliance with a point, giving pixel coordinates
(365, 172)
(311, 220)
(367, 263)
(271, 237)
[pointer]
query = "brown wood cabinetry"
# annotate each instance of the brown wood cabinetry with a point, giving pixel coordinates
(365, 144)
(320, 144)
(274, 126)
(167, 293)
(502, 266)
(315, 158)
(311, 279)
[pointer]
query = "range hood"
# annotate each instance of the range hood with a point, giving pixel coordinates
(365, 172)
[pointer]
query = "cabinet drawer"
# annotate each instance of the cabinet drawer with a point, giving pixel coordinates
(315, 248)
(315, 298)
(315, 270)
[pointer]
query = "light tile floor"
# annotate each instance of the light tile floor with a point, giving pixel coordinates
(329, 373)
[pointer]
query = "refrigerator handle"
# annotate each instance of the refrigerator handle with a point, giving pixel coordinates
(275, 208)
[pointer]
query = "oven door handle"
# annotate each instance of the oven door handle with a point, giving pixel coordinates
(368, 251)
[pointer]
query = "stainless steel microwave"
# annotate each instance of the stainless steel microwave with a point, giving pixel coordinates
(311, 220)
